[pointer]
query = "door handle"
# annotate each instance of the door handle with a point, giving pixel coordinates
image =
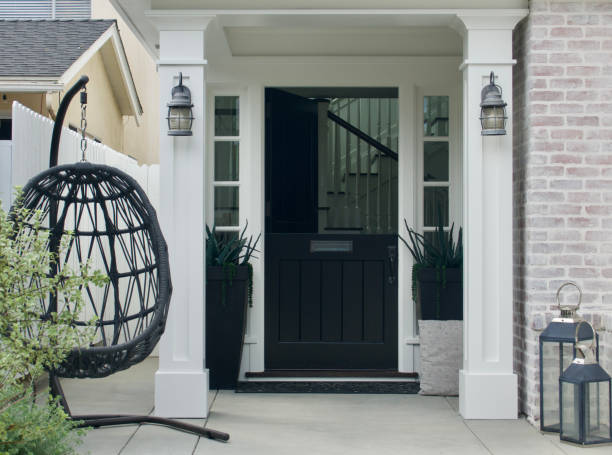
(392, 256)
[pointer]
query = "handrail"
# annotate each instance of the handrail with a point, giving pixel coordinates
(361, 135)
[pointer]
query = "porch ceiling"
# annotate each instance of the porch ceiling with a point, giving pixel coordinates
(339, 4)
(384, 31)
(351, 41)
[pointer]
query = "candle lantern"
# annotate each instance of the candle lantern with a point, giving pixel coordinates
(557, 350)
(584, 396)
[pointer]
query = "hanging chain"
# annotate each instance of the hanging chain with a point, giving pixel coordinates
(83, 122)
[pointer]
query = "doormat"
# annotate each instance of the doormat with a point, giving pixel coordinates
(396, 387)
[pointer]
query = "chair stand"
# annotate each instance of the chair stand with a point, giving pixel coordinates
(104, 420)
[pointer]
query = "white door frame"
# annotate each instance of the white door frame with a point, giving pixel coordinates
(401, 75)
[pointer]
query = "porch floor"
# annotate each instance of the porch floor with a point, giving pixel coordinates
(302, 423)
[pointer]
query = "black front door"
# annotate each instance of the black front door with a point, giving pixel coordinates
(330, 242)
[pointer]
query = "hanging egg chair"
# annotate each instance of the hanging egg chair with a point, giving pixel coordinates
(111, 224)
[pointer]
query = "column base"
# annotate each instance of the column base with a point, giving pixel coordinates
(488, 396)
(181, 394)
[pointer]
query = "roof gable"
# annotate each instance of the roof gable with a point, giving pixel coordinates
(45, 48)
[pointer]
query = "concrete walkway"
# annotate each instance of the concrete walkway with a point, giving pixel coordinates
(298, 424)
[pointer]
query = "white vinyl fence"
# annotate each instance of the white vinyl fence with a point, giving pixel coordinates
(28, 154)
(5, 174)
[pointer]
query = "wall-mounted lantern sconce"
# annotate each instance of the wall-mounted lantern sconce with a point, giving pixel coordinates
(493, 110)
(180, 115)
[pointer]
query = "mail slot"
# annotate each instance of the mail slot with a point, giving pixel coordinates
(331, 246)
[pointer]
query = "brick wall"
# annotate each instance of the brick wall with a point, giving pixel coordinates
(562, 174)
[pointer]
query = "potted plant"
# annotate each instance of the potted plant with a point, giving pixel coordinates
(437, 273)
(437, 289)
(229, 290)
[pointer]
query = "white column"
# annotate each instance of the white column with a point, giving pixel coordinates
(181, 382)
(488, 387)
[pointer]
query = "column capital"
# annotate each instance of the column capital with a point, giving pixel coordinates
(491, 19)
(487, 34)
(181, 37)
(171, 20)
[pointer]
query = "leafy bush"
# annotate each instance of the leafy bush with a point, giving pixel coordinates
(29, 343)
(27, 427)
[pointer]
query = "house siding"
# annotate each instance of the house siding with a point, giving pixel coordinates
(104, 118)
(140, 141)
(562, 175)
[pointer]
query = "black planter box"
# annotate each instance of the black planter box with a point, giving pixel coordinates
(450, 296)
(225, 325)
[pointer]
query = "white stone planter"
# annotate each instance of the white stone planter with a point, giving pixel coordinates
(441, 356)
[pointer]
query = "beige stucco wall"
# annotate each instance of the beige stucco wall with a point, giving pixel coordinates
(34, 101)
(141, 142)
(104, 119)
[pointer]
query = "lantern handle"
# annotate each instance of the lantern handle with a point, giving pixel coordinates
(568, 310)
(492, 82)
(593, 345)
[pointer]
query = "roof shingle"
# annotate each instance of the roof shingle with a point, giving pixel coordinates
(45, 48)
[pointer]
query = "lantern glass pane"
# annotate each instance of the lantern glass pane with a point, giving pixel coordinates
(227, 116)
(179, 118)
(435, 115)
(556, 357)
(493, 118)
(226, 161)
(570, 424)
(226, 206)
(597, 412)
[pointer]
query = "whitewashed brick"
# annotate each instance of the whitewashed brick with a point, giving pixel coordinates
(563, 228)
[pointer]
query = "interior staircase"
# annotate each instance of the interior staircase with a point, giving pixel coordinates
(358, 166)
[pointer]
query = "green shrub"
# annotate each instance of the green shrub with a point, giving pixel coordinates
(29, 344)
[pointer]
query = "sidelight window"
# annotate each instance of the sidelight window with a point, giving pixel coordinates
(226, 177)
(436, 175)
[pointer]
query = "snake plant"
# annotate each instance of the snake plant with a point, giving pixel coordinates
(230, 253)
(439, 252)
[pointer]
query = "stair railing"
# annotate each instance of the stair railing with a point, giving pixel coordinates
(338, 124)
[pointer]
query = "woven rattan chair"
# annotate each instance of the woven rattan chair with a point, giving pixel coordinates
(113, 225)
